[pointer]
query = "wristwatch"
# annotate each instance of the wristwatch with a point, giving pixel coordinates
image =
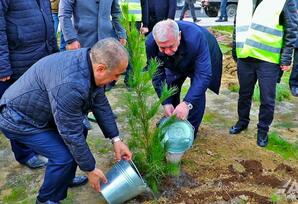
(189, 105)
(116, 139)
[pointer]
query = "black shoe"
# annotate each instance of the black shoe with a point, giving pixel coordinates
(221, 20)
(78, 181)
(236, 129)
(262, 139)
(35, 163)
(196, 20)
(47, 202)
(294, 91)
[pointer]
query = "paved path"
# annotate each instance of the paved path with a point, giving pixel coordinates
(205, 20)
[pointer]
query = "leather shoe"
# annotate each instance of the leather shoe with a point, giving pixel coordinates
(35, 163)
(236, 129)
(262, 139)
(78, 181)
(294, 91)
(47, 202)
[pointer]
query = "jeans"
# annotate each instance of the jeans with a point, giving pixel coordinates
(294, 74)
(223, 9)
(61, 165)
(22, 153)
(56, 23)
(250, 71)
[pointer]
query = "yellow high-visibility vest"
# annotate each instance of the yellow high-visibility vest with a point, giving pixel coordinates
(134, 9)
(259, 34)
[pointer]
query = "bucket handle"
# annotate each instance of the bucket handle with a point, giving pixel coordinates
(137, 171)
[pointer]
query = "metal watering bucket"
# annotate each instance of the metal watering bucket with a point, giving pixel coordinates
(124, 183)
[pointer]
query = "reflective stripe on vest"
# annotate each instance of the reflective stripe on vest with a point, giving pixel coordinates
(134, 9)
(259, 34)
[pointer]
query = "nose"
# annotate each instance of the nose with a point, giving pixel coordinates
(168, 51)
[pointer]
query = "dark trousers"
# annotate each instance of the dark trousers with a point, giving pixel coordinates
(61, 166)
(21, 152)
(196, 114)
(294, 74)
(250, 71)
(188, 4)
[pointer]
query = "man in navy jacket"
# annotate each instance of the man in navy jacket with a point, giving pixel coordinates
(45, 109)
(26, 35)
(183, 49)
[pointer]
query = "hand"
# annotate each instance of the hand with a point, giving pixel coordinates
(181, 111)
(74, 45)
(122, 41)
(285, 67)
(5, 78)
(144, 30)
(94, 177)
(168, 109)
(121, 151)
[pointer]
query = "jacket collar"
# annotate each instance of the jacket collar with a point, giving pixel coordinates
(92, 80)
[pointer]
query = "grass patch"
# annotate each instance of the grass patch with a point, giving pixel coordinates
(208, 117)
(282, 147)
(98, 145)
(18, 194)
(224, 29)
(274, 198)
(4, 142)
(285, 124)
(234, 87)
(224, 48)
(69, 199)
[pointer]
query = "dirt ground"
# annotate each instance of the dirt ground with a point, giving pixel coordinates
(219, 168)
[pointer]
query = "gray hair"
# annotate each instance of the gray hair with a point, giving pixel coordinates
(108, 52)
(162, 29)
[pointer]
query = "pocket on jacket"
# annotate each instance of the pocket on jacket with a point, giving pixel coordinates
(14, 39)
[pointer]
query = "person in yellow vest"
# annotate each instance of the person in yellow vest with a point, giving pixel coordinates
(264, 36)
(137, 9)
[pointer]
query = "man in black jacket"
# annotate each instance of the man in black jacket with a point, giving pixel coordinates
(158, 11)
(46, 107)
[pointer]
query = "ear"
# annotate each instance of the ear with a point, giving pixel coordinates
(179, 36)
(100, 69)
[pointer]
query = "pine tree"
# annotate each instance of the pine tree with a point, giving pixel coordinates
(145, 141)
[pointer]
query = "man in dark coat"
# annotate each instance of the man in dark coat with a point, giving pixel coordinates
(183, 49)
(159, 10)
(26, 35)
(46, 107)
